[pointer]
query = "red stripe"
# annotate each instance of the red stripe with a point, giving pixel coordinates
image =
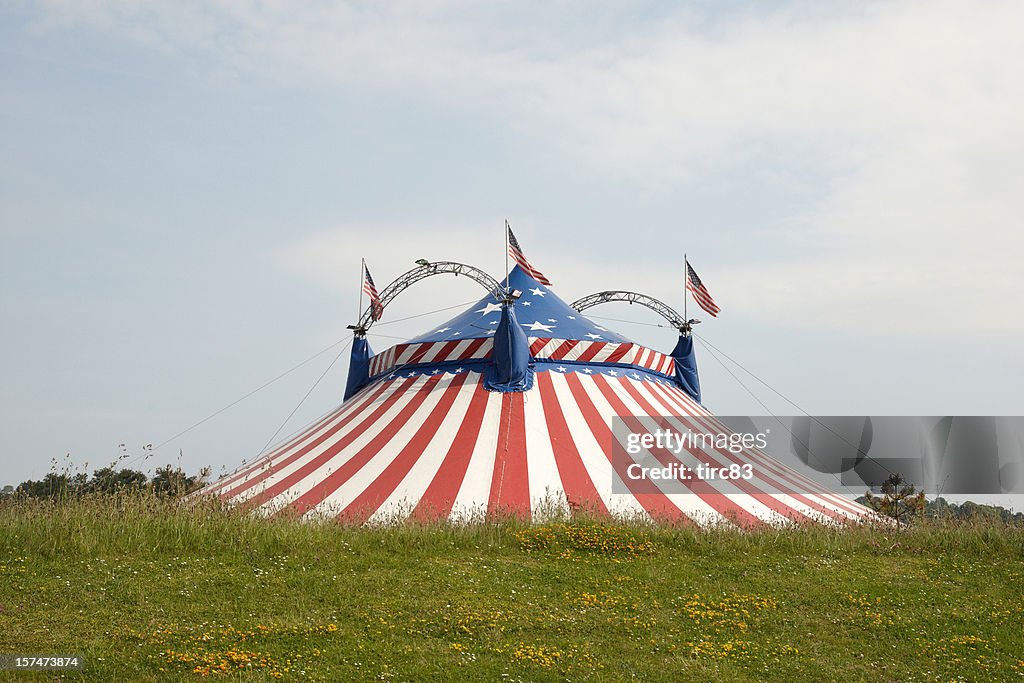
(329, 484)
(473, 348)
(250, 467)
(308, 467)
(538, 344)
(446, 349)
(510, 483)
(592, 350)
(619, 353)
(270, 467)
(715, 499)
(576, 482)
(650, 497)
(371, 498)
(439, 498)
(563, 349)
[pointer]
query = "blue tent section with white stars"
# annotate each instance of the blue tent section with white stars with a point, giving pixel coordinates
(540, 312)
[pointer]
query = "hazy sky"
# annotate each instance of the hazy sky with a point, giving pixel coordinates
(186, 190)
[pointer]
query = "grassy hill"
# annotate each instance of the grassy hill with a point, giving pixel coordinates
(148, 590)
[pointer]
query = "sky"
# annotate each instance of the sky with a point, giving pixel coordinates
(187, 188)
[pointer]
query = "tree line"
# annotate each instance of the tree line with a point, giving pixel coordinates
(167, 480)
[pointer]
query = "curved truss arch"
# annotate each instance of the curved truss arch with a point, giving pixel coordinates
(660, 307)
(406, 280)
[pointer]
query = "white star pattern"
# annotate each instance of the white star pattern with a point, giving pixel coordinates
(552, 320)
(494, 322)
(594, 336)
(588, 371)
(489, 308)
(636, 376)
(572, 317)
(537, 291)
(491, 332)
(613, 373)
(434, 371)
(443, 329)
(600, 328)
(526, 303)
(560, 368)
(534, 326)
(456, 334)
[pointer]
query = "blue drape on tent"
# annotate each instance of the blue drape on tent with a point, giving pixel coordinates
(358, 367)
(510, 369)
(686, 366)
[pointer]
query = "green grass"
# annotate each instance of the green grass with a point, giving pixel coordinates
(148, 590)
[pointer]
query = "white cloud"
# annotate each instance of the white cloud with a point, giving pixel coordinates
(910, 111)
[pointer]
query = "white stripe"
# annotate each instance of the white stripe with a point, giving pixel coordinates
(271, 460)
(460, 348)
(549, 348)
(599, 468)
(317, 476)
(578, 350)
(547, 493)
(484, 349)
(605, 353)
(471, 501)
(400, 503)
(630, 356)
(336, 501)
(406, 353)
(429, 351)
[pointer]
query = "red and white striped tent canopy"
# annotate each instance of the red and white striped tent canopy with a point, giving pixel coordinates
(430, 438)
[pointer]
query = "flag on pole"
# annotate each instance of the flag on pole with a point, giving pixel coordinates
(376, 307)
(700, 292)
(517, 254)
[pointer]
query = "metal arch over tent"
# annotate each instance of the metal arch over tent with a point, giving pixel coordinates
(508, 409)
(660, 307)
(425, 270)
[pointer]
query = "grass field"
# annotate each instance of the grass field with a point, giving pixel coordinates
(147, 590)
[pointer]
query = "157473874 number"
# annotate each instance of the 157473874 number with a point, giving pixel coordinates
(40, 662)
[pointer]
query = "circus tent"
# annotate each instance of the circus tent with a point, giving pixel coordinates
(509, 409)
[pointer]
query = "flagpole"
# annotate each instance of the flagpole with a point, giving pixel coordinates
(507, 287)
(362, 274)
(686, 284)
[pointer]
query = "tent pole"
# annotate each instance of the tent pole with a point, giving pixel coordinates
(507, 288)
(686, 284)
(362, 275)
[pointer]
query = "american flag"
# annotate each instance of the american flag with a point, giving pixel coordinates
(376, 307)
(517, 254)
(700, 292)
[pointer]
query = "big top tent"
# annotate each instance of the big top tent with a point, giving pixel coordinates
(509, 409)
